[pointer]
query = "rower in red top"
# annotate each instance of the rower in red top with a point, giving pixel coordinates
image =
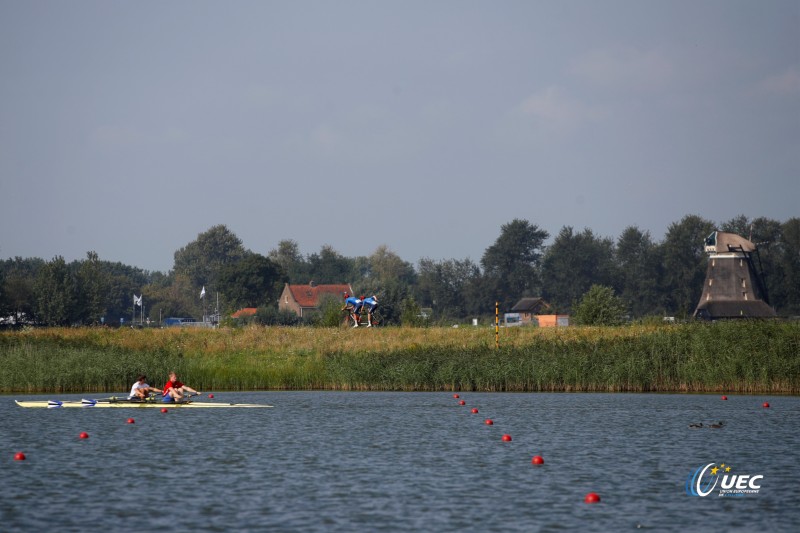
(174, 390)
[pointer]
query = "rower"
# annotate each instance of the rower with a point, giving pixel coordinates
(174, 390)
(141, 390)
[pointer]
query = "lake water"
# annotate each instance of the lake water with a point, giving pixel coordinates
(331, 461)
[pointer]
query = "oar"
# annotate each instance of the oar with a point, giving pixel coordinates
(92, 402)
(187, 399)
(88, 403)
(114, 399)
(101, 400)
(61, 403)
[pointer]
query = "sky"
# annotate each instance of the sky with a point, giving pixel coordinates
(129, 128)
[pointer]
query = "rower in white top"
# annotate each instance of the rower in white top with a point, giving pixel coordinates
(141, 390)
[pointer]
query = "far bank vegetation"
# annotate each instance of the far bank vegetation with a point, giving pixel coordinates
(735, 356)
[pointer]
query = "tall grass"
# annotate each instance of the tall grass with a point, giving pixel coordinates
(741, 356)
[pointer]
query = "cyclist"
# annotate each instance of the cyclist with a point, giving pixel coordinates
(354, 305)
(370, 303)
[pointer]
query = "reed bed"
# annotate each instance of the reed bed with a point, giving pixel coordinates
(740, 356)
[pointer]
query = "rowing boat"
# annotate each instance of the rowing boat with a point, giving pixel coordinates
(122, 402)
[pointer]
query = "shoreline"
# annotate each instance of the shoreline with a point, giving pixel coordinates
(743, 357)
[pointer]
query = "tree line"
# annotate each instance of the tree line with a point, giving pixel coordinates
(648, 277)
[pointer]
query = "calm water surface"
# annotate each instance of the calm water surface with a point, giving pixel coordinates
(329, 461)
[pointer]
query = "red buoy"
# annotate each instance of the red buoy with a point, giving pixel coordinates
(131, 421)
(83, 435)
(211, 396)
(163, 409)
(456, 396)
(592, 497)
(766, 404)
(462, 402)
(474, 409)
(489, 421)
(724, 397)
(537, 460)
(506, 437)
(19, 456)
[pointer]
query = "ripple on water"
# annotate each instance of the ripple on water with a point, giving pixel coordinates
(399, 461)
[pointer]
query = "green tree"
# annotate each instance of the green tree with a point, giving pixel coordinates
(385, 268)
(287, 255)
(17, 277)
(55, 293)
(252, 282)
(390, 300)
(17, 295)
(740, 225)
(270, 315)
(202, 259)
(685, 261)
(789, 260)
(156, 295)
(329, 266)
(575, 262)
(411, 314)
(171, 296)
(386, 265)
(448, 287)
(330, 313)
(92, 289)
(123, 283)
(640, 270)
(510, 265)
(599, 307)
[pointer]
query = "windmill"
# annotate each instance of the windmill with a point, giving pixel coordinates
(734, 287)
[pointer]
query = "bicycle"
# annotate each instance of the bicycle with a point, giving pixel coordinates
(363, 318)
(377, 318)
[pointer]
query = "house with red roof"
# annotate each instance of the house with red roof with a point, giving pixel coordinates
(305, 299)
(245, 312)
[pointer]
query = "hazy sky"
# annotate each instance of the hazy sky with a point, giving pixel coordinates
(129, 128)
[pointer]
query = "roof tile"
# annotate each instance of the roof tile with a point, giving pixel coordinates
(309, 295)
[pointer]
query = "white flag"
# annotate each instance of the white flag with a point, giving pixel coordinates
(137, 300)
(203, 292)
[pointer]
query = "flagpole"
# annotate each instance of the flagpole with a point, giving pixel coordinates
(203, 298)
(137, 301)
